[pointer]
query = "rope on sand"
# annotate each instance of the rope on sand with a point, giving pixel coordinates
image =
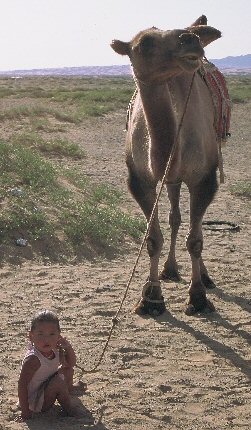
(226, 226)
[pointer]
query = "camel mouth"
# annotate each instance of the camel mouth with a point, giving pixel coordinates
(190, 61)
(191, 57)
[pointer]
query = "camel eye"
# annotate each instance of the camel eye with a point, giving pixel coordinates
(147, 44)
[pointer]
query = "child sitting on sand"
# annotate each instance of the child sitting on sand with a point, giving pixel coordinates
(47, 369)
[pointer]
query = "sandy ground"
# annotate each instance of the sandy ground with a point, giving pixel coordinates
(172, 372)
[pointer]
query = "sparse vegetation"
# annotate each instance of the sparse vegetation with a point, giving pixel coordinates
(45, 197)
(239, 88)
(84, 97)
(42, 207)
(242, 189)
(58, 146)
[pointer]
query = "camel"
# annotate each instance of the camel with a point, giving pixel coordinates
(165, 65)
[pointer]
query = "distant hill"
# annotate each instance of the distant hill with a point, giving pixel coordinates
(241, 62)
(234, 65)
(73, 71)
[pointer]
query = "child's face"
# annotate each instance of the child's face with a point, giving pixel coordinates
(45, 336)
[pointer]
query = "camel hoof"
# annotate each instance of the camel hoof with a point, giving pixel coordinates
(208, 282)
(190, 310)
(169, 275)
(145, 307)
(206, 308)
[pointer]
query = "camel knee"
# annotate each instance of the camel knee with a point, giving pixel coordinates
(154, 246)
(194, 246)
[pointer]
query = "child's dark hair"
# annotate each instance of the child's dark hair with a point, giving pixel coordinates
(44, 316)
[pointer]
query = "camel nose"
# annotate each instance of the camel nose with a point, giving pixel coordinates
(189, 39)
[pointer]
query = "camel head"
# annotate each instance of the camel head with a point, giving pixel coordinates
(156, 55)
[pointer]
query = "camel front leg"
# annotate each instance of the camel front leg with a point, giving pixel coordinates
(152, 301)
(200, 198)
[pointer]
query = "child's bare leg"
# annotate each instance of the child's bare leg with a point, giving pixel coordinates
(57, 389)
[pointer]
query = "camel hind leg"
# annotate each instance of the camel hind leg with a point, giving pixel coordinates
(152, 301)
(200, 198)
(170, 271)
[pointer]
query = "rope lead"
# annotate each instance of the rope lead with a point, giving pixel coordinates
(149, 224)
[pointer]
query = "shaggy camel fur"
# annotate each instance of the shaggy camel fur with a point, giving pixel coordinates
(164, 65)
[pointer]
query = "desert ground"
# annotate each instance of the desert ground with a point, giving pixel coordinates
(169, 372)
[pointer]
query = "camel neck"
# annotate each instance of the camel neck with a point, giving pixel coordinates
(158, 110)
(161, 122)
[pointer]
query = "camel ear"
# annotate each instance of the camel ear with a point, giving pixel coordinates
(206, 34)
(122, 48)
(202, 20)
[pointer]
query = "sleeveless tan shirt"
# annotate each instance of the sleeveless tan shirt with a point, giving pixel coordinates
(36, 386)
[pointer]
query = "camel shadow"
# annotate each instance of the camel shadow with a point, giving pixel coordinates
(221, 350)
(245, 304)
(214, 317)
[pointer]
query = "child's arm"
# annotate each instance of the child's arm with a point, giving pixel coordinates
(69, 354)
(29, 367)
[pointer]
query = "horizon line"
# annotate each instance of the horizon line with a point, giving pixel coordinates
(100, 66)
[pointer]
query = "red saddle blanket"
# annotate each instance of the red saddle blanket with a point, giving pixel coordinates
(216, 83)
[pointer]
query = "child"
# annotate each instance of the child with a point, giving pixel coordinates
(47, 369)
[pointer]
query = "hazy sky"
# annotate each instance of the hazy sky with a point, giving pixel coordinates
(58, 33)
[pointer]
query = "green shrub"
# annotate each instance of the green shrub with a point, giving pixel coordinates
(24, 217)
(242, 189)
(59, 146)
(61, 204)
(239, 88)
(52, 199)
(102, 225)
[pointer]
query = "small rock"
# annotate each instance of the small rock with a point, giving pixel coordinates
(16, 192)
(165, 388)
(21, 242)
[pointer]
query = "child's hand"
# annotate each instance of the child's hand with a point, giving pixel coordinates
(67, 355)
(63, 346)
(63, 342)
